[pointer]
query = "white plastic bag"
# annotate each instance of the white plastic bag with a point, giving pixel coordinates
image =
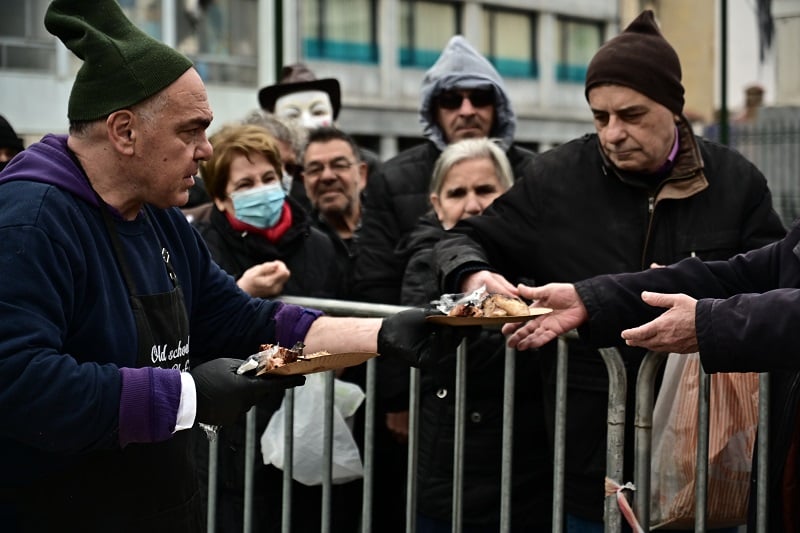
(308, 432)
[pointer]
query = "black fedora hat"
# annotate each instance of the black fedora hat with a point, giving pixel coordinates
(296, 78)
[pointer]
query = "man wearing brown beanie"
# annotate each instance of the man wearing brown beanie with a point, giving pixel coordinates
(105, 285)
(642, 190)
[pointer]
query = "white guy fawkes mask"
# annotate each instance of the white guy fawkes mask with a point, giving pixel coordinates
(311, 109)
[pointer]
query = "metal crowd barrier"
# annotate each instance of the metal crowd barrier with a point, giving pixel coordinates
(645, 390)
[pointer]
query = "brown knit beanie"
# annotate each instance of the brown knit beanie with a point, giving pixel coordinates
(122, 65)
(640, 58)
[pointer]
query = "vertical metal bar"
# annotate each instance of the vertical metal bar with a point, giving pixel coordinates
(458, 436)
(701, 478)
(508, 439)
(560, 435)
(249, 469)
(213, 465)
(724, 127)
(615, 440)
(413, 449)
(288, 460)
(327, 454)
(643, 424)
(762, 519)
(369, 449)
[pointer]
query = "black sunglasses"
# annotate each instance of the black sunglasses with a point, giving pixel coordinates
(476, 97)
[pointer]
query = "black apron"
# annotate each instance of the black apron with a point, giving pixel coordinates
(144, 487)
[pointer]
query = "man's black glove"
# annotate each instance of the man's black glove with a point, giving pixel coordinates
(223, 395)
(408, 336)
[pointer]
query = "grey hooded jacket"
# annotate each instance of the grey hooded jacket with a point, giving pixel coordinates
(397, 195)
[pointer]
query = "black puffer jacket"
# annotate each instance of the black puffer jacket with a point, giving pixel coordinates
(575, 217)
(532, 474)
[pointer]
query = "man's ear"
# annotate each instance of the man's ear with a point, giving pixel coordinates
(363, 175)
(121, 127)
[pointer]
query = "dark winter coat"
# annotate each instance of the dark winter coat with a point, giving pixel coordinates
(746, 318)
(345, 252)
(575, 217)
(531, 483)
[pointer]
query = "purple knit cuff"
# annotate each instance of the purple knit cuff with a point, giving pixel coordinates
(292, 322)
(148, 404)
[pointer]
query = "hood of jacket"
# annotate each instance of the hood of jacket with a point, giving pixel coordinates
(461, 66)
(50, 161)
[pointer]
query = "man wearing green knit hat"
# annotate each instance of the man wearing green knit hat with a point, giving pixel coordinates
(113, 316)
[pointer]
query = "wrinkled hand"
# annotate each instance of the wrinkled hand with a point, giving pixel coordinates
(673, 331)
(568, 313)
(223, 395)
(495, 283)
(264, 280)
(408, 336)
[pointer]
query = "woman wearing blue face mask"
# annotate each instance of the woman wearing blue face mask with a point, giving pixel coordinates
(255, 232)
(265, 240)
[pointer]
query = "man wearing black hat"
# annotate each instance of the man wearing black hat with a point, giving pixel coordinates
(642, 190)
(10, 144)
(106, 284)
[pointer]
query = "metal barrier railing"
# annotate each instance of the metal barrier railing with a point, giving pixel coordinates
(645, 397)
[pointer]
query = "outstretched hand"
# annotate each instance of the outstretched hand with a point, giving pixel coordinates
(568, 313)
(673, 331)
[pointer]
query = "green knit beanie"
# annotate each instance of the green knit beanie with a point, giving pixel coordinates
(122, 65)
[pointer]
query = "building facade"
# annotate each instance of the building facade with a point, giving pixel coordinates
(377, 49)
(380, 49)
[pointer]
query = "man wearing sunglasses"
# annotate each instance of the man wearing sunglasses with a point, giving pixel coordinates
(462, 96)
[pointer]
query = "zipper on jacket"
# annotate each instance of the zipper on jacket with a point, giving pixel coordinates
(651, 207)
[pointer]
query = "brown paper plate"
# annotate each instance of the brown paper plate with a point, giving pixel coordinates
(322, 363)
(485, 320)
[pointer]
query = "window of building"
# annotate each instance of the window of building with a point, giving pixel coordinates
(340, 30)
(25, 44)
(578, 40)
(510, 42)
(425, 28)
(220, 36)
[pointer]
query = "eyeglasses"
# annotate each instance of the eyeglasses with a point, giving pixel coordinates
(476, 97)
(337, 166)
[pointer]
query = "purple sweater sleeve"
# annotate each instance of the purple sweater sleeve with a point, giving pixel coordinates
(292, 322)
(148, 404)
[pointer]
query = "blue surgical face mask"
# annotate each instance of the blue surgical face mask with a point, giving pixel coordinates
(260, 206)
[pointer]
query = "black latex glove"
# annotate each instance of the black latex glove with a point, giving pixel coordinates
(408, 336)
(223, 395)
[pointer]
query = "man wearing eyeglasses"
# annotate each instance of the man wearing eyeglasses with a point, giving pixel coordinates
(334, 177)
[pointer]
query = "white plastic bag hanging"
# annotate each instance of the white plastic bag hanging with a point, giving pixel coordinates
(308, 432)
